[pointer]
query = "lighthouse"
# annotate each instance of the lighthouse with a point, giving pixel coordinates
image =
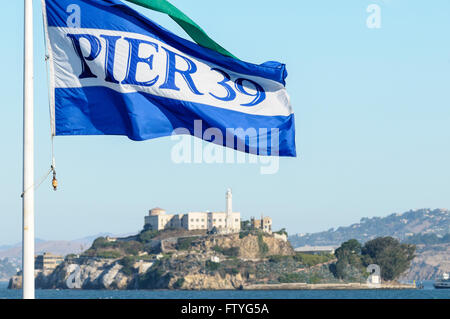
(229, 209)
(229, 202)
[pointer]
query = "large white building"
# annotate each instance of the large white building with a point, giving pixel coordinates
(224, 222)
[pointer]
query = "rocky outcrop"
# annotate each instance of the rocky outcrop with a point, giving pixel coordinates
(216, 282)
(249, 246)
(431, 262)
(15, 282)
(208, 262)
(94, 274)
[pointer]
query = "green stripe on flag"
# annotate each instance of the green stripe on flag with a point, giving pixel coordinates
(191, 28)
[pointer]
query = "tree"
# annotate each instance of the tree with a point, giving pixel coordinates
(100, 242)
(348, 254)
(245, 225)
(146, 236)
(148, 227)
(393, 257)
(348, 248)
(127, 265)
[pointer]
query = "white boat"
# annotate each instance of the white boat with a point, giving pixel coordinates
(443, 282)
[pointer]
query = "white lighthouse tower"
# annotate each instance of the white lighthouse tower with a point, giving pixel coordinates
(229, 210)
(229, 201)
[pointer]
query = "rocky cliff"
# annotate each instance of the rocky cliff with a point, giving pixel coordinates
(431, 262)
(249, 247)
(203, 262)
(92, 274)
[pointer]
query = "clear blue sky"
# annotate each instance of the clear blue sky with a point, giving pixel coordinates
(372, 115)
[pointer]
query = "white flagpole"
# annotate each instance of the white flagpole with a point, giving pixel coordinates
(28, 157)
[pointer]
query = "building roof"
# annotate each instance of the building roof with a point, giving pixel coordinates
(157, 211)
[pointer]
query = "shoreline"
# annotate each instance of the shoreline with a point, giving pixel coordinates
(268, 287)
(330, 286)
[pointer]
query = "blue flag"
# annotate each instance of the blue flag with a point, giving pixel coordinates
(115, 72)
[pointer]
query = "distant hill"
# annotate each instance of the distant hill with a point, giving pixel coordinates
(428, 229)
(58, 247)
(8, 268)
(11, 255)
(430, 263)
(401, 226)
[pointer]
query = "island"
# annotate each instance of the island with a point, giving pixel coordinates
(196, 260)
(218, 250)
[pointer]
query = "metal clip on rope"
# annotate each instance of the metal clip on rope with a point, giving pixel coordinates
(54, 180)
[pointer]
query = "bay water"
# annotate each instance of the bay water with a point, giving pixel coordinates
(428, 292)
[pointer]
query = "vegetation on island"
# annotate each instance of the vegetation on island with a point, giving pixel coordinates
(392, 256)
(189, 255)
(282, 231)
(230, 252)
(181, 259)
(103, 248)
(263, 248)
(139, 245)
(347, 264)
(429, 229)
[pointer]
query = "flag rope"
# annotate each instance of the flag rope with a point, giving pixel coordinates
(36, 185)
(44, 177)
(53, 165)
(52, 134)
